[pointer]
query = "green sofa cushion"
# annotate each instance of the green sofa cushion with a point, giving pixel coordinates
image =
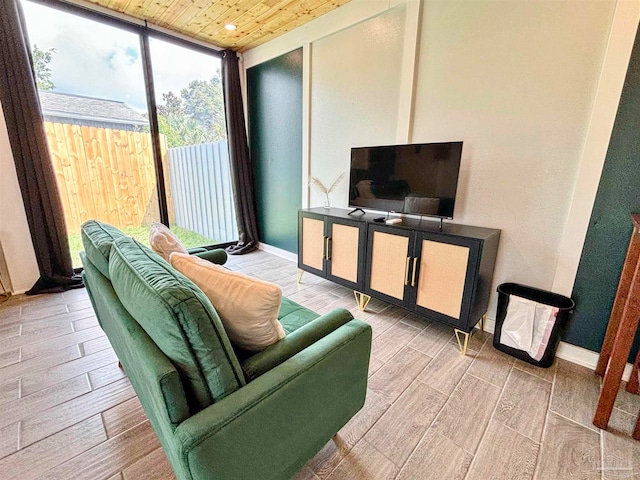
(294, 342)
(302, 326)
(179, 319)
(97, 238)
(293, 316)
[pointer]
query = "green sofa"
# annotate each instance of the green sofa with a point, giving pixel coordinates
(221, 413)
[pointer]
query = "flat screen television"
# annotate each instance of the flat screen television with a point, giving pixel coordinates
(420, 179)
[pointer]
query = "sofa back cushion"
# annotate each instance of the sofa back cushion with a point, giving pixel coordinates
(97, 238)
(179, 319)
(153, 376)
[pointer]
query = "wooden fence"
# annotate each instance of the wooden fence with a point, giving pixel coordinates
(109, 175)
(106, 174)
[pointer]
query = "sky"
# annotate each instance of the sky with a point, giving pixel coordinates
(104, 61)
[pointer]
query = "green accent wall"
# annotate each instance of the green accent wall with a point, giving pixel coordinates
(274, 100)
(610, 227)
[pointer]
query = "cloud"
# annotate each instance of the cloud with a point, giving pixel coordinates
(104, 61)
(175, 66)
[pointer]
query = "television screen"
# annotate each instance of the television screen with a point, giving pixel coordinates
(420, 179)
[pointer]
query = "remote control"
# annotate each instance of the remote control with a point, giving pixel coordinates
(379, 219)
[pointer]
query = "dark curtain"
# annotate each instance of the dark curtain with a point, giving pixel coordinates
(241, 168)
(21, 108)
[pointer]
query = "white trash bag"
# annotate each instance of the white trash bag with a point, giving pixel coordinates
(528, 325)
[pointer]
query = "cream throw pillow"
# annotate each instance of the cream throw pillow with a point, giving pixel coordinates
(248, 307)
(164, 242)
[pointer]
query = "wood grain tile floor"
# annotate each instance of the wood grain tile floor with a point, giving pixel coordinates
(68, 412)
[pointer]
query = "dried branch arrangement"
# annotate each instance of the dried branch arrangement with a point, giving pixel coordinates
(315, 181)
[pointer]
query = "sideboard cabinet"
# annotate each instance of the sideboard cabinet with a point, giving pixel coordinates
(443, 274)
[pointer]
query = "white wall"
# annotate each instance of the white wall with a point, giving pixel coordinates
(14, 230)
(516, 81)
(347, 103)
(603, 114)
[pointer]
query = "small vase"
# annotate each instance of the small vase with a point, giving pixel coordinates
(327, 201)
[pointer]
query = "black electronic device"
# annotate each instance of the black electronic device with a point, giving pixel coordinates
(379, 219)
(420, 179)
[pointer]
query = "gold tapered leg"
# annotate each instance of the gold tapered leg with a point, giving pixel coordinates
(5, 292)
(362, 299)
(462, 344)
(300, 272)
(483, 322)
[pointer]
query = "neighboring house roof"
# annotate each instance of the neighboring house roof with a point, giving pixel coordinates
(65, 105)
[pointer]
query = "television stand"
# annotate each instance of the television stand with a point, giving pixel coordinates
(356, 210)
(443, 275)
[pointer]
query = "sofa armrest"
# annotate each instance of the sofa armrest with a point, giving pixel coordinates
(217, 255)
(294, 342)
(270, 427)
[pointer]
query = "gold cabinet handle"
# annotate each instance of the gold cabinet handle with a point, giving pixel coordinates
(406, 271)
(326, 248)
(413, 275)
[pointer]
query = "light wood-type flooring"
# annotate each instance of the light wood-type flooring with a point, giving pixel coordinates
(68, 412)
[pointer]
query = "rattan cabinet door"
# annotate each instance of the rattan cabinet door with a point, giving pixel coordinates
(312, 244)
(388, 265)
(443, 273)
(346, 248)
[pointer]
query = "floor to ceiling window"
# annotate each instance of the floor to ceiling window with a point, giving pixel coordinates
(195, 157)
(94, 95)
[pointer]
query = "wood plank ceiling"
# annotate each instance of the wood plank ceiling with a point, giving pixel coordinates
(257, 21)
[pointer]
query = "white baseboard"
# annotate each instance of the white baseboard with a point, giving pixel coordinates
(571, 353)
(278, 252)
(586, 358)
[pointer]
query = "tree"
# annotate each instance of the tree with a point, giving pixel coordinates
(196, 116)
(41, 60)
(203, 102)
(181, 131)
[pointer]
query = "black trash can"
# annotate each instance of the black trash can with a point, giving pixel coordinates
(565, 308)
